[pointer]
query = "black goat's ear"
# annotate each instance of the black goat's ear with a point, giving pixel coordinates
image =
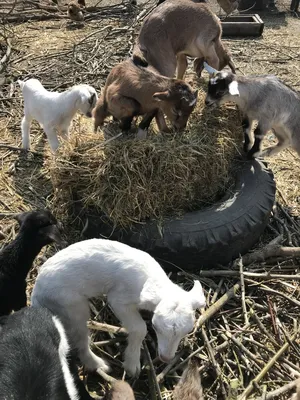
(164, 96)
(92, 98)
(21, 217)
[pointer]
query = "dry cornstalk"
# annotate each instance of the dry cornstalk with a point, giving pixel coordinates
(217, 306)
(266, 368)
(99, 326)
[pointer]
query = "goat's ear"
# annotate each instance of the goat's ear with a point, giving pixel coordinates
(194, 101)
(162, 95)
(20, 217)
(197, 296)
(233, 88)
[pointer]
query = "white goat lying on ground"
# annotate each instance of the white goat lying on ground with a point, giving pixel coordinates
(262, 98)
(132, 281)
(54, 111)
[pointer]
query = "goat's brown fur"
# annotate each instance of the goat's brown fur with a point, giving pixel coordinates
(189, 386)
(179, 28)
(120, 390)
(132, 90)
(75, 10)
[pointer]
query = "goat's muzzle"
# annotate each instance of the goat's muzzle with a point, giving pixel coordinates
(89, 114)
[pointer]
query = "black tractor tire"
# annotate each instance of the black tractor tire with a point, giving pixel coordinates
(205, 238)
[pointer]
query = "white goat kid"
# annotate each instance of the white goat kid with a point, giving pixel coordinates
(54, 111)
(132, 281)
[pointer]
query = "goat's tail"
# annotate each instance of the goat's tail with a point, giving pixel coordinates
(138, 57)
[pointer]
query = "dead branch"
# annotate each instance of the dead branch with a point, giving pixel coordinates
(266, 369)
(99, 326)
(271, 251)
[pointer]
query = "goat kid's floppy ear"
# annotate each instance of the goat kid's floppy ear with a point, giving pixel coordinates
(210, 69)
(21, 217)
(162, 95)
(233, 88)
(194, 101)
(197, 296)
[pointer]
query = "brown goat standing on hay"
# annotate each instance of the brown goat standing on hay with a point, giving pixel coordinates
(120, 390)
(177, 29)
(189, 386)
(132, 90)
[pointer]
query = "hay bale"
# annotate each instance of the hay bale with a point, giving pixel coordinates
(131, 180)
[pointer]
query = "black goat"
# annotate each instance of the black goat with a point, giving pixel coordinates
(37, 229)
(36, 361)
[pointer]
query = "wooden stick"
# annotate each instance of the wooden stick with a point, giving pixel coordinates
(265, 275)
(149, 360)
(217, 306)
(99, 326)
(266, 369)
(271, 251)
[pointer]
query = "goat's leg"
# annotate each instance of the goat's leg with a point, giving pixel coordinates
(25, 127)
(283, 142)
(144, 124)
(199, 65)
(161, 122)
(259, 134)
(247, 125)
(181, 65)
(75, 316)
(137, 330)
(125, 123)
(52, 137)
(211, 56)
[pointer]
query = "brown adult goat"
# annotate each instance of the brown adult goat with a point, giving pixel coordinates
(177, 29)
(132, 90)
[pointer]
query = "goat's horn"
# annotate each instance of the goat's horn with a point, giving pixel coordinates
(209, 69)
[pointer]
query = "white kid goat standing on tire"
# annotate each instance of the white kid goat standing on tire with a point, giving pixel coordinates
(262, 98)
(54, 111)
(132, 280)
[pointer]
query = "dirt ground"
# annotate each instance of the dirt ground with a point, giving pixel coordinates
(62, 54)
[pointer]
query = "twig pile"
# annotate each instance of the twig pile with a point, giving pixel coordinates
(247, 341)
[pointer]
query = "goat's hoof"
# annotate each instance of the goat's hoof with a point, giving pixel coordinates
(141, 134)
(132, 369)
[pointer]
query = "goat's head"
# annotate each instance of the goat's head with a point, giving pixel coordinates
(87, 99)
(42, 226)
(222, 86)
(174, 318)
(177, 102)
(75, 11)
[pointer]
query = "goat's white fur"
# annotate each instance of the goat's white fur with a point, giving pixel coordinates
(63, 351)
(132, 280)
(54, 111)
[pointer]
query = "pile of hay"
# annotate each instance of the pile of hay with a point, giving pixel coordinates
(132, 180)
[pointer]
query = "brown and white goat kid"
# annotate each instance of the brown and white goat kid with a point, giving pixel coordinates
(120, 390)
(261, 98)
(177, 29)
(132, 90)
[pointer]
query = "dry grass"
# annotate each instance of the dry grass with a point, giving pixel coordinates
(62, 55)
(131, 181)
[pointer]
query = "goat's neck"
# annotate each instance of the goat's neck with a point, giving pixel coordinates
(159, 83)
(69, 99)
(154, 291)
(19, 256)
